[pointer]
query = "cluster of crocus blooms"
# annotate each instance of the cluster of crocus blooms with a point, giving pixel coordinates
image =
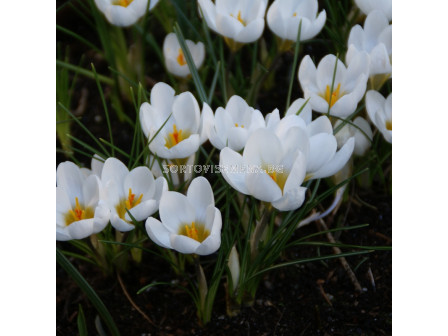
(124, 13)
(241, 22)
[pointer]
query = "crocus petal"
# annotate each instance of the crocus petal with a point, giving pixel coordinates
(251, 32)
(183, 244)
(231, 165)
(262, 186)
(162, 98)
(115, 170)
(322, 148)
(337, 162)
(175, 210)
(200, 195)
(262, 148)
(91, 191)
(303, 106)
(141, 181)
(142, 211)
(158, 232)
(70, 178)
(119, 224)
(291, 200)
(81, 229)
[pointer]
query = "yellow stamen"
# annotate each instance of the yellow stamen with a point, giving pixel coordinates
(122, 3)
(175, 137)
(389, 125)
(240, 19)
(294, 15)
(278, 177)
(127, 203)
(194, 231)
(332, 97)
(78, 213)
(180, 58)
(236, 125)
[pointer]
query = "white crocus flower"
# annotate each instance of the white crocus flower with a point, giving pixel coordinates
(379, 110)
(337, 92)
(135, 191)
(320, 146)
(232, 126)
(181, 135)
(271, 168)
(239, 21)
(284, 16)
(367, 6)
(375, 39)
(177, 174)
(124, 13)
(360, 131)
(79, 210)
(175, 60)
(189, 224)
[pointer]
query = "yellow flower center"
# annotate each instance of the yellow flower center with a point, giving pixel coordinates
(122, 3)
(295, 14)
(127, 203)
(389, 125)
(278, 177)
(78, 213)
(180, 58)
(175, 137)
(332, 97)
(236, 125)
(239, 18)
(194, 231)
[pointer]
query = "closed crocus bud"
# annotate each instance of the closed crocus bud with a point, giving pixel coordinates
(124, 13)
(188, 224)
(79, 210)
(335, 91)
(173, 123)
(175, 60)
(284, 17)
(379, 110)
(232, 126)
(133, 191)
(375, 39)
(367, 6)
(239, 22)
(360, 131)
(234, 266)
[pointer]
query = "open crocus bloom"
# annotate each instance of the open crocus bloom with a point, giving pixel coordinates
(360, 131)
(124, 13)
(376, 40)
(135, 191)
(181, 135)
(319, 147)
(367, 6)
(284, 16)
(79, 210)
(339, 95)
(232, 126)
(379, 110)
(271, 168)
(239, 21)
(175, 60)
(189, 224)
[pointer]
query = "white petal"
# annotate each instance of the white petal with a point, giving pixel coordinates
(229, 159)
(141, 181)
(291, 200)
(263, 187)
(337, 162)
(114, 170)
(158, 232)
(183, 244)
(175, 210)
(200, 195)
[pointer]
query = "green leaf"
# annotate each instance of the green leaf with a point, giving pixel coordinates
(82, 327)
(89, 291)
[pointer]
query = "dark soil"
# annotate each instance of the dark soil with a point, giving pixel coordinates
(312, 299)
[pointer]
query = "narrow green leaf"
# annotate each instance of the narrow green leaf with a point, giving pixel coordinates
(89, 291)
(81, 320)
